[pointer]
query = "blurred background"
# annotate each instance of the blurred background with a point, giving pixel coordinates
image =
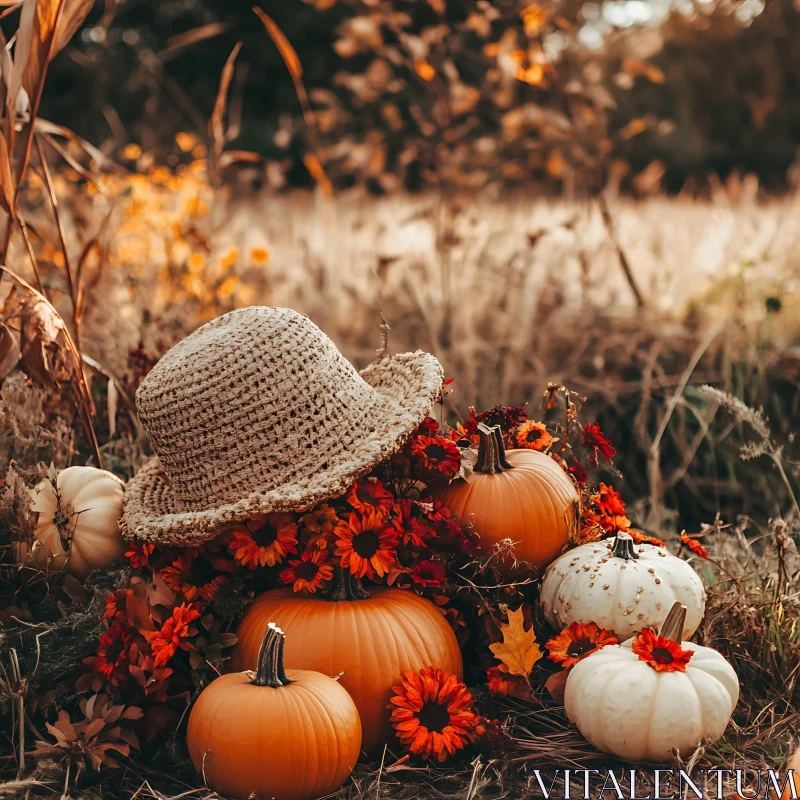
(599, 194)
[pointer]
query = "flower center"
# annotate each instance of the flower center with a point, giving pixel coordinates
(114, 651)
(435, 452)
(534, 435)
(662, 656)
(306, 571)
(434, 717)
(366, 544)
(265, 535)
(580, 647)
(201, 572)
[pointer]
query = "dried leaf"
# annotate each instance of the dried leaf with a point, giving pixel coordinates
(217, 122)
(7, 183)
(518, 651)
(73, 14)
(195, 35)
(317, 172)
(9, 351)
(113, 400)
(556, 684)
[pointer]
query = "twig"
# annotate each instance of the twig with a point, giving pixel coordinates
(608, 221)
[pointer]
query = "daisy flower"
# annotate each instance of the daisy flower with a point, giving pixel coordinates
(437, 454)
(369, 494)
(194, 576)
(432, 713)
(662, 654)
(265, 540)
(578, 641)
(533, 436)
(366, 545)
(307, 573)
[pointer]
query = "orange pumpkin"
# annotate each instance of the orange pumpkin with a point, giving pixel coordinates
(373, 640)
(287, 734)
(522, 495)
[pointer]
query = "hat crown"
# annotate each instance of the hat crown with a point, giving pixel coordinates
(251, 400)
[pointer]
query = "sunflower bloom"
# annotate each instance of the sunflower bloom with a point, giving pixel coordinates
(437, 454)
(194, 576)
(694, 545)
(111, 658)
(578, 641)
(320, 520)
(165, 642)
(306, 574)
(432, 713)
(533, 436)
(366, 545)
(369, 494)
(265, 540)
(662, 654)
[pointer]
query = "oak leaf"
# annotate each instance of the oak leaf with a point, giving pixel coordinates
(518, 651)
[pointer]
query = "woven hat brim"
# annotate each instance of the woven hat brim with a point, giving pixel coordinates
(408, 384)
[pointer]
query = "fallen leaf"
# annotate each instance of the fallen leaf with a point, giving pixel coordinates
(556, 684)
(9, 351)
(518, 651)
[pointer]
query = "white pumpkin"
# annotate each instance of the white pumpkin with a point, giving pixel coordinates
(622, 705)
(620, 586)
(78, 525)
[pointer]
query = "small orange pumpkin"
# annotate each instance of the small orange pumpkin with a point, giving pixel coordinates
(288, 734)
(522, 495)
(373, 639)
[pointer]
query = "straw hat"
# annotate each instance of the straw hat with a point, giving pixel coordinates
(257, 411)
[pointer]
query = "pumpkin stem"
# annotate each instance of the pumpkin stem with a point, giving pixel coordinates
(623, 547)
(491, 450)
(270, 671)
(672, 628)
(344, 586)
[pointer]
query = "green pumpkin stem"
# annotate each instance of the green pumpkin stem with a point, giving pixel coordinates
(491, 451)
(344, 586)
(672, 628)
(623, 547)
(270, 671)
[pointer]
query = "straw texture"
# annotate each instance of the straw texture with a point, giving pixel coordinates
(258, 411)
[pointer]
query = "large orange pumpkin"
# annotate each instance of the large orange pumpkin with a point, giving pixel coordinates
(275, 733)
(520, 495)
(373, 640)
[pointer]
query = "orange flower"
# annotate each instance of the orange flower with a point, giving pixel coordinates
(608, 511)
(369, 494)
(578, 641)
(594, 437)
(437, 454)
(321, 519)
(366, 545)
(138, 553)
(533, 436)
(111, 658)
(504, 683)
(194, 576)
(432, 713)
(694, 545)
(662, 654)
(165, 642)
(265, 540)
(309, 571)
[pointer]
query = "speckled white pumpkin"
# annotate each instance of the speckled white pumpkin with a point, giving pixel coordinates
(623, 706)
(78, 524)
(621, 586)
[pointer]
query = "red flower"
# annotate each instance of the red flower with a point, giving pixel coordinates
(265, 540)
(578, 473)
(433, 714)
(194, 576)
(427, 573)
(366, 545)
(138, 553)
(662, 654)
(309, 571)
(115, 604)
(111, 658)
(694, 545)
(507, 417)
(578, 641)
(428, 427)
(594, 437)
(165, 642)
(437, 454)
(369, 494)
